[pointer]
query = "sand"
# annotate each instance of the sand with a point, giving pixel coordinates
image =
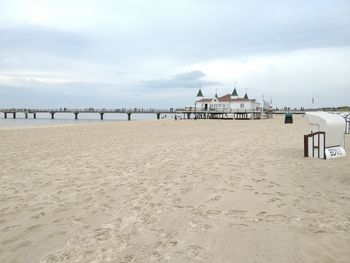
(171, 191)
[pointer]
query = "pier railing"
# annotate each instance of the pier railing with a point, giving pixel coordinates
(52, 111)
(90, 110)
(190, 112)
(144, 110)
(219, 110)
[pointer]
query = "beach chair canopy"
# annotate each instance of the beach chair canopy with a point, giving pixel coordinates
(342, 114)
(332, 124)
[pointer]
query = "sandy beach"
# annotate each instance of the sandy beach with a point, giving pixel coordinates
(171, 191)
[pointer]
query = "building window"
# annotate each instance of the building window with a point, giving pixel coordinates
(242, 105)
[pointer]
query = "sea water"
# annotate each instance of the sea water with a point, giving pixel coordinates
(43, 119)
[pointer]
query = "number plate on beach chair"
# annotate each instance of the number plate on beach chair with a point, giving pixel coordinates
(334, 152)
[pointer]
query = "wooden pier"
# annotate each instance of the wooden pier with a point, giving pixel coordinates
(33, 112)
(187, 113)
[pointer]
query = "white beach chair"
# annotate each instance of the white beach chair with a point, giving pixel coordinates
(327, 137)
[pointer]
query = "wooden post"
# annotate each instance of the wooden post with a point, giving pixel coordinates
(129, 116)
(5, 115)
(158, 116)
(14, 115)
(76, 115)
(26, 115)
(34, 115)
(101, 115)
(52, 115)
(306, 145)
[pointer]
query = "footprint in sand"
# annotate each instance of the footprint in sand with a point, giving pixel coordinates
(248, 187)
(34, 228)
(37, 216)
(273, 184)
(167, 239)
(272, 200)
(215, 198)
(223, 190)
(235, 212)
(199, 226)
(193, 251)
(263, 213)
(127, 258)
(258, 180)
(102, 234)
(8, 242)
(21, 245)
(58, 233)
(271, 218)
(8, 228)
(213, 212)
(237, 225)
(276, 217)
(33, 209)
(312, 211)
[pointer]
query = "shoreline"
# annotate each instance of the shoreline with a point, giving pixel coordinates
(80, 122)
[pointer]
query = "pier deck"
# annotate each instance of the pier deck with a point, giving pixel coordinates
(188, 113)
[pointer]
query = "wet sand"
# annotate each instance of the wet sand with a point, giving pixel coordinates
(171, 191)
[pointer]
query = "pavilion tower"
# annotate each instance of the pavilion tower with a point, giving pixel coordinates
(234, 94)
(199, 95)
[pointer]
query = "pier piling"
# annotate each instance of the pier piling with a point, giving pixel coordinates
(34, 115)
(129, 116)
(14, 115)
(26, 115)
(76, 115)
(52, 115)
(101, 115)
(5, 115)
(158, 116)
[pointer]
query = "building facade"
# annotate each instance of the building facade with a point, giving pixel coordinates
(226, 102)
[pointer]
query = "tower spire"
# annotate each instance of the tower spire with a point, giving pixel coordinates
(200, 94)
(234, 92)
(246, 96)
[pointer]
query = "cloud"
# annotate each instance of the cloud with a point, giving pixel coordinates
(190, 76)
(32, 93)
(39, 41)
(191, 79)
(88, 45)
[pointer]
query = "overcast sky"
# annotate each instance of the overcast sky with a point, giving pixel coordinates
(155, 53)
